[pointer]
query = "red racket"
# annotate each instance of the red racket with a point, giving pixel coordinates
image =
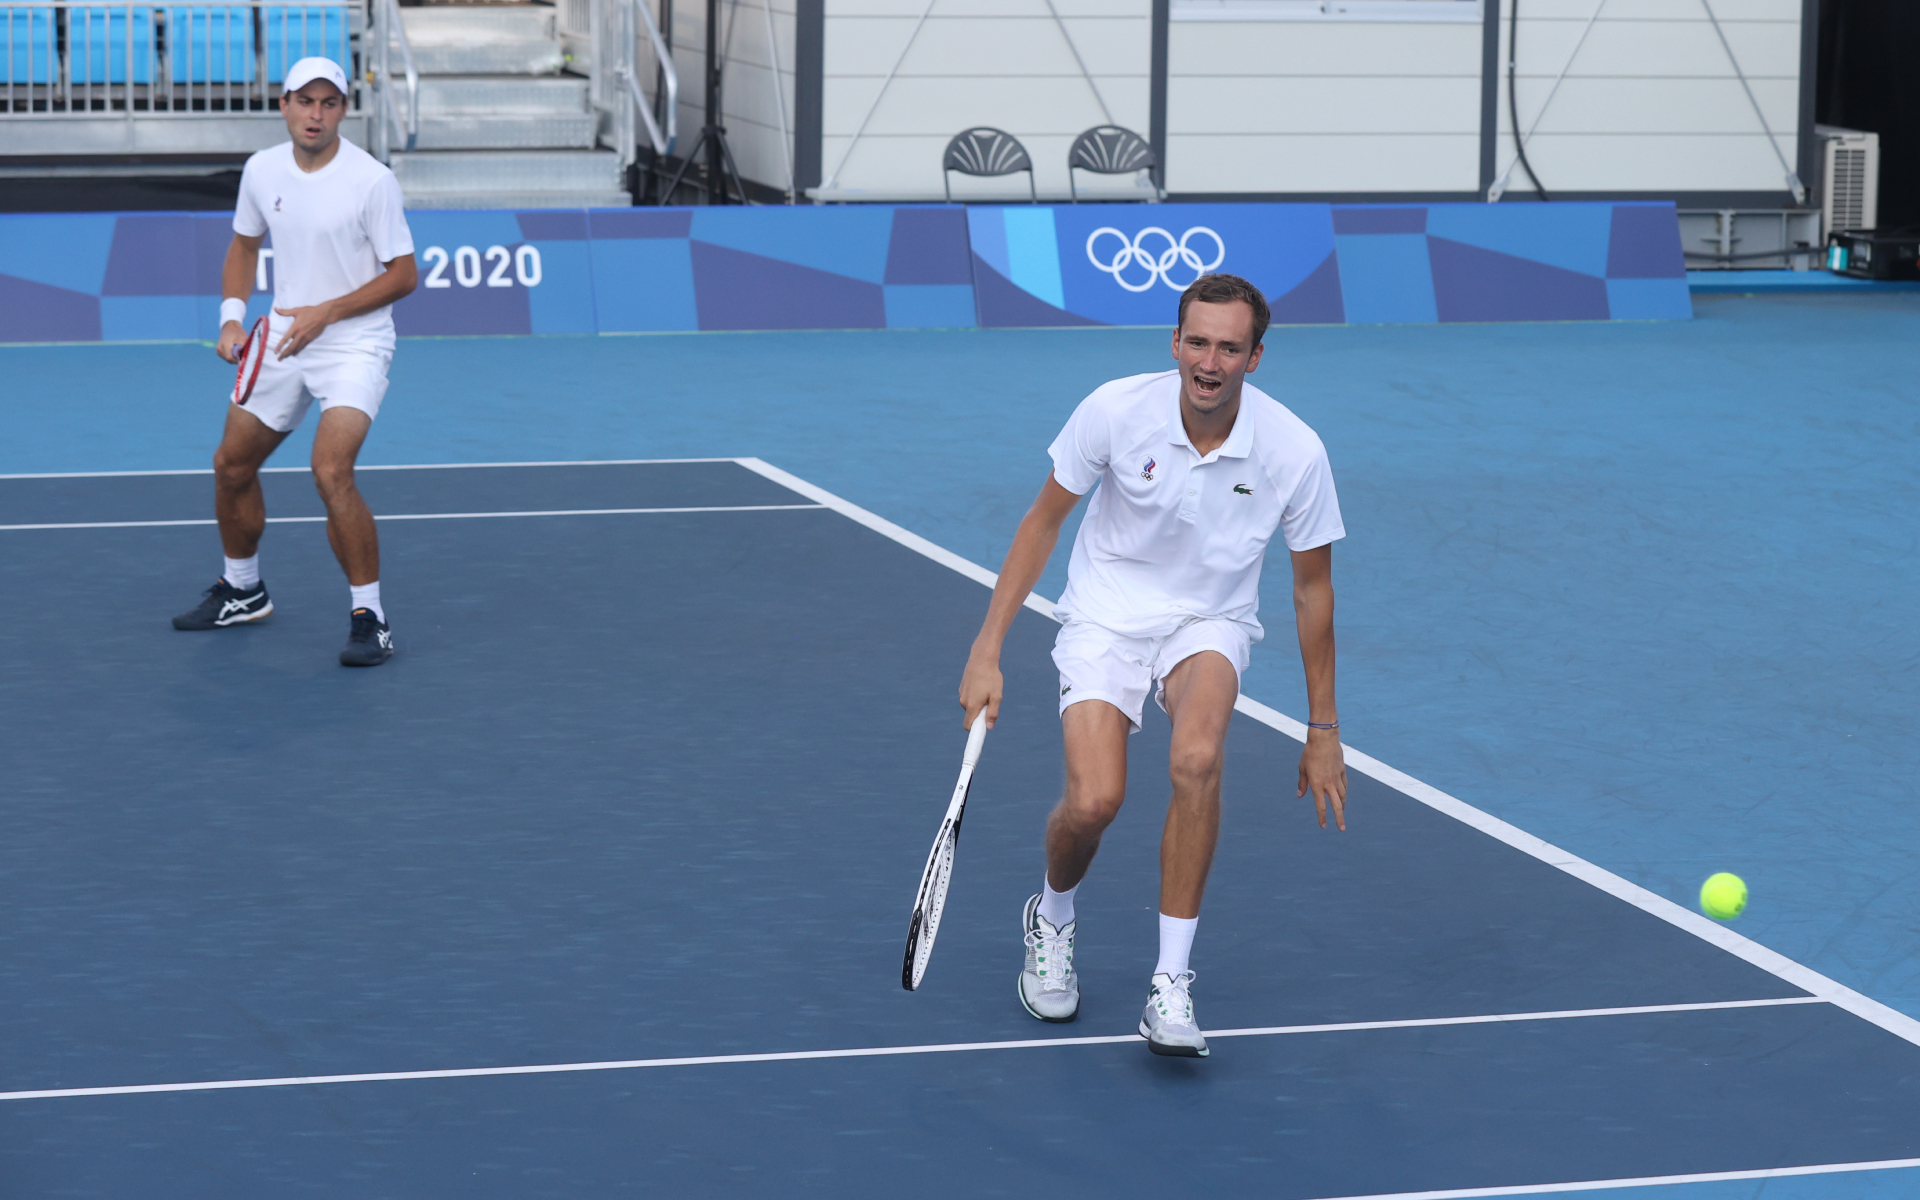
(253, 352)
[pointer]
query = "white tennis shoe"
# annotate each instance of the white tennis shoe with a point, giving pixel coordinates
(1168, 1024)
(1049, 988)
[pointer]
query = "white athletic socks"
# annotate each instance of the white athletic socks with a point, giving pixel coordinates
(1176, 944)
(242, 573)
(366, 595)
(1057, 907)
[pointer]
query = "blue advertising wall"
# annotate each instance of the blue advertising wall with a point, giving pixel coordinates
(1330, 263)
(156, 276)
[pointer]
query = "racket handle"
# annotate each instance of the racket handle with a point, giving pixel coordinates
(976, 737)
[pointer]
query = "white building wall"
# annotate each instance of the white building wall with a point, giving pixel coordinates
(1323, 105)
(1651, 102)
(974, 62)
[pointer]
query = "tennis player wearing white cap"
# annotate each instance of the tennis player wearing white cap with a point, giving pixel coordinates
(1197, 469)
(342, 254)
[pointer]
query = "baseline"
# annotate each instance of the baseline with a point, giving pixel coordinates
(630, 1064)
(1598, 1185)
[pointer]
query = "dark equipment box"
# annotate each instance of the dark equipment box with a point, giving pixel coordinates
(1875, 253)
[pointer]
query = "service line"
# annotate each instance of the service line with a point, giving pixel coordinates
(707, 1060)
(463, 516)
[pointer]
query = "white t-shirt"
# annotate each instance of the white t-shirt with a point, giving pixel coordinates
(1171, 535)
(332, 230)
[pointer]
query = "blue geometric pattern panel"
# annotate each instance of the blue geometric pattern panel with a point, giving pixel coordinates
(156, 276)
(1331, 264)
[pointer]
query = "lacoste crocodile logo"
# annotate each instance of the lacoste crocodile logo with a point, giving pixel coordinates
(1243, 489)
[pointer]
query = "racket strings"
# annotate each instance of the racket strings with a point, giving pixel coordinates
(934, 903)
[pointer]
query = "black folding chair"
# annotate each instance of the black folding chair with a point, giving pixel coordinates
(1109, 150)
(984, 150)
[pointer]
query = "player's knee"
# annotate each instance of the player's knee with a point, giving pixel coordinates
(1195, 767)
(230, 471)
(1091, 807)
(334, 480)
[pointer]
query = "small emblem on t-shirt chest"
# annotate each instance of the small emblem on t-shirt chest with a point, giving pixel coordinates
(276, 204)
(1146, 472)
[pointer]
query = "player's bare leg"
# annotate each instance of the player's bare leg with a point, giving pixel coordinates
(238, 503)
(237, 597)
(350, 527)
(1199, 694)
(351, 532)
(1096, 743)
(1095, 734)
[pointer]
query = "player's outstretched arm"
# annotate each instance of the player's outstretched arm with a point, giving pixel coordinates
(310, 321)
(1323, 768)
(1033, 544)
(236, 283)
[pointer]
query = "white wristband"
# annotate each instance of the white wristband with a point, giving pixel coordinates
(233, 310)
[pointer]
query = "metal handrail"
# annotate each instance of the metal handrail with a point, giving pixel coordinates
(662, 141)
(397, 31)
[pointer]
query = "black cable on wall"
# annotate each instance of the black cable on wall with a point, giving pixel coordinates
(1513, 99)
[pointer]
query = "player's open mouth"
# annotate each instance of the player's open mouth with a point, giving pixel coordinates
(1206, 386)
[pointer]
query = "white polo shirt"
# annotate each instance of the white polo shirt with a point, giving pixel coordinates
(1173, 535)
(332, 230)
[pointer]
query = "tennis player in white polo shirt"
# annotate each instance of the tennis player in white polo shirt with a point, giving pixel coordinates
(342, 256)
(1197, 469)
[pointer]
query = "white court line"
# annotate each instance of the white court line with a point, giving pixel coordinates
(1597, 1185)
(595, 462)
(708, 1060)
(1770, 961)
(549, 512)
(886, 528)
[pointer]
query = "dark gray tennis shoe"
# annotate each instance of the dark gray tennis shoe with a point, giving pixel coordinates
(225, 605)
(1049, 987)
(1168, 1024)
(370, 642)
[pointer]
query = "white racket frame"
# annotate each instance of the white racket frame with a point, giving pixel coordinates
(931, 901)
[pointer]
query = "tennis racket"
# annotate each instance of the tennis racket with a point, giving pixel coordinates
(253, 352)
(932, 900)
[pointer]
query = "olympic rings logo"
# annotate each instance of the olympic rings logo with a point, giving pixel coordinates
(1159, 268)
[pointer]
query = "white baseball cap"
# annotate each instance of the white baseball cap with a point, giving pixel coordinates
(307, 70)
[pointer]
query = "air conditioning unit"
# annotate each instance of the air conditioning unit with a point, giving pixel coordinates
(1851, 159)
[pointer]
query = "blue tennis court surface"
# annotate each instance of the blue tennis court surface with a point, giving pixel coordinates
(651, 780)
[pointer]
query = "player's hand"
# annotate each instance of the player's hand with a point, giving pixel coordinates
(228, 347)
(309, 322)
(1323, 771)
(980, 688)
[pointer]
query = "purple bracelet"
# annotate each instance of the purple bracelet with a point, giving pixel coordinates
(1323, 724)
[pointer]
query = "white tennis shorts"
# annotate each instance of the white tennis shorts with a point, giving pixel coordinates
(354, 376)
(1098, 664)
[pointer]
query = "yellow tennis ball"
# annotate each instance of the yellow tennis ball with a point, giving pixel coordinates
(1723, 896)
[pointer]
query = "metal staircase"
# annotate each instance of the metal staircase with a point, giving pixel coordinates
(498, 125)
(506, 105)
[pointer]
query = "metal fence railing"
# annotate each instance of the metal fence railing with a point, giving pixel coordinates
(210, 57)
(390, 34)
(604, 38)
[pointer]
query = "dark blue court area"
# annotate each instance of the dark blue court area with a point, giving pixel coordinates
(652, 776)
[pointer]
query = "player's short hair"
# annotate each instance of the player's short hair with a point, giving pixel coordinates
(1225, 289)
